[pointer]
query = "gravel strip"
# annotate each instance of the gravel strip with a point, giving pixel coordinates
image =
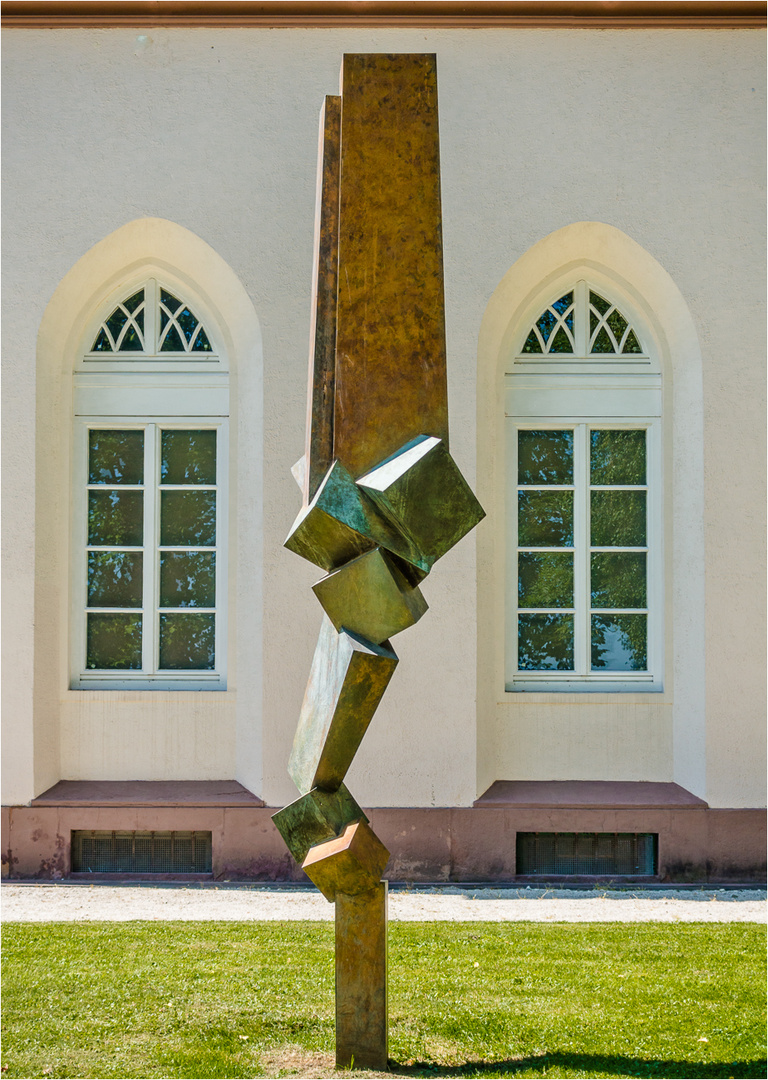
(62, 902)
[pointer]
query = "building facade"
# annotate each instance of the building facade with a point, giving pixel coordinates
(586, 693)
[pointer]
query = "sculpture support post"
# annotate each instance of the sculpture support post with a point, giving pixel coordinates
(361, 979)
(383, 499)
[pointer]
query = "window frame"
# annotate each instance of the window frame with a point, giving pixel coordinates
(580, 390)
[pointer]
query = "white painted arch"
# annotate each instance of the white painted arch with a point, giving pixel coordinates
(598, 736)
(144, 734)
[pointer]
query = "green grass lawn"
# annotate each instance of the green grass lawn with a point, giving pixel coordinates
(211, 999)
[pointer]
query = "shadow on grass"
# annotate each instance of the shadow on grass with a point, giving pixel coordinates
(591, 1064)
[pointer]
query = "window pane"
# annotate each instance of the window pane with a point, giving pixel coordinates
(545, 580)
(617, 457)
(618, 518)
(116, 518)
(545, 518)
(114, 641)
(618, 579)
(188, 457)
(187, 579)
(619, 643)
(115, 457)
(187, 641)
(545, 457)
(188, 518)
(545, 643)
(114, 579)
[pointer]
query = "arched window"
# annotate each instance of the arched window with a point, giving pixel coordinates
(584, 573)
(151, 406)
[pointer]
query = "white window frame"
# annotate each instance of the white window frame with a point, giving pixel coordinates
(585, 391)
(121, 391)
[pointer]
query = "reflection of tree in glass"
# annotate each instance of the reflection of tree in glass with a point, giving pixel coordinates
(545, 643)
(545, 518)
(115, 518)
(617, 457)
(114, 641)
(618, 579)
(545, 580)
(115, 457)
(618, 518)
(188, 457)
(187, 579)
(619, 643)
(187, 641)
(188, 518)
(545, 457)
(114, 579)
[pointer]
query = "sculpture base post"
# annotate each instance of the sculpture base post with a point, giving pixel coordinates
(361, 979)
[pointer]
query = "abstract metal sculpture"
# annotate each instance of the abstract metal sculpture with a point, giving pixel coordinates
(382, 497)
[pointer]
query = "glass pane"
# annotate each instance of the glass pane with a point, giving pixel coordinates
(201, 343)
(545, 580)
(102, 342)
(598, 302)
(115, 457)
(187, 641)
(170, 302)
(545, 518)
(617, 457)
(114, 579)
(188, 457)
(546, 323)
(172, 342)
(532, 344)
(602, 343)
(133, 301)
(617, 323)
(116, 518)
(631, 345)
(131, 342)
(618, 518)
(563, 303)
(619, 643)
(545, 643)
(618, 579)
(188, 579)
(188, 518)
(187, 322)
(114, 641)
(545, 457)
(561, 343)
(116, 322)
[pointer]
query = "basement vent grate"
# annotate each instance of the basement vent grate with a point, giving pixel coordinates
(141, 852)
(587, 854)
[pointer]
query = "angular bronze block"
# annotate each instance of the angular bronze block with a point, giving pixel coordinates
(421, 491)
(369, 596)
(341, 522)
(361, 979)
(390, 338)
(315, 817)
(346, 681)
(351, 863)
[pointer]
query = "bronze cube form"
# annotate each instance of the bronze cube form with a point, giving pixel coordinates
(421, 491)
(370, 596)
(351, 863)
(341, 522)
(315, 817)
(346, 681)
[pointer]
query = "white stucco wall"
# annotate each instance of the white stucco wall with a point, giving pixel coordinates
(657, 133)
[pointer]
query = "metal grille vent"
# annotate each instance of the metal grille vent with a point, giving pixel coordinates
(141, 852)
(588, 854)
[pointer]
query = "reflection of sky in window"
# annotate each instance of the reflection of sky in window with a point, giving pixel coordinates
(616, 653)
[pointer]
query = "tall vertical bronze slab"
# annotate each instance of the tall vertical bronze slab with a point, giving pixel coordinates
(322, 338)
(390, 334)
(361, 979)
